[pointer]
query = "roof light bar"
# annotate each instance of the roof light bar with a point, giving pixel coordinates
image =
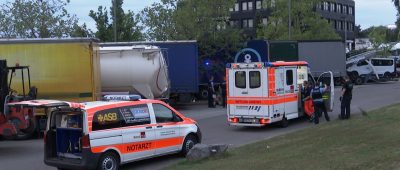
(122, 97)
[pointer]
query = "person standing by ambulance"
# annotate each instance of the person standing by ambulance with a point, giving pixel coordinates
(318, 101)
(211, 93)
(345, 98)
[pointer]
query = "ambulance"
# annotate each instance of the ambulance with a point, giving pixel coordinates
(261, 93)
(104, 134)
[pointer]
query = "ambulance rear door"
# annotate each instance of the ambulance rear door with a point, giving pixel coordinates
(238, 104)
(257, 90)
(291, 92)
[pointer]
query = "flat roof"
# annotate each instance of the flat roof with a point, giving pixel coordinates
(48, 40)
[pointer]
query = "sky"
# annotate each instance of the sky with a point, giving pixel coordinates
(368, 12)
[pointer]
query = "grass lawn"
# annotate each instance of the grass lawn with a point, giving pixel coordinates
(371, 141)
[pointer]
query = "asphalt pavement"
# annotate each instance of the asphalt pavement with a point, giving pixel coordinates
(21, 155)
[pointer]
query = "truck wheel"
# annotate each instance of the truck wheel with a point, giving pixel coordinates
(284, 122)
(188, 144)
(23, 134)
(359, 81)
(204, 94)
(108, 161)
(337, 81)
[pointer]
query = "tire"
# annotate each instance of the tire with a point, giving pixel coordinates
(108, 161)
(386, 76)
(337, 81)
(62, 169)
(188, 144)
(284, 122)
(203, 94)
(358, 81)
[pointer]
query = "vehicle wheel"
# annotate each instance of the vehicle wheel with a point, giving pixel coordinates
(359, 81)
(204, 94)
(23, 134)
(62, 169)
(284, 122)
(108, 161)
(338, 82)
(386, 76)
(188, 144)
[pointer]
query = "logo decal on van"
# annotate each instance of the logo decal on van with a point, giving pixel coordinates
(255, 108)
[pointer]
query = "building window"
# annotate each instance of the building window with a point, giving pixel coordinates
(339, 8)
(339, 25)
(350, 10)
(244, 23)
(258, 4)
(326, 6)
(244, 6)
(265, 21)
(250, 5)
(251, 23)
(234, 23)
(236, 6)
(333, 7)
(344, 9)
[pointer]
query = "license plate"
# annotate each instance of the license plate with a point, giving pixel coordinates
(247, 120)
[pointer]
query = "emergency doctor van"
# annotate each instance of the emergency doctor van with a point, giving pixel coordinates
(104, 134)
(262, 93)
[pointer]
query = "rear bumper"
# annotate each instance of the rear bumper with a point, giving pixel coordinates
(89, 161)
(247, 124)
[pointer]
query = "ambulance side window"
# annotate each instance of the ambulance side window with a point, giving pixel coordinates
(255, 79)
(107, 119)
(240, 79)
(135, 115)
(164, 114)
(289, 77)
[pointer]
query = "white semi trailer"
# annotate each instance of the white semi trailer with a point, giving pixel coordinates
(138, 69)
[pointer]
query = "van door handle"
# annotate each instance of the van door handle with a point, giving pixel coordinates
(149, 127)
(159, 126)
(245, 92)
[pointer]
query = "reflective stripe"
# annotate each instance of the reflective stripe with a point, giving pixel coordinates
(263, 100)
(140, 146)
(271, 82)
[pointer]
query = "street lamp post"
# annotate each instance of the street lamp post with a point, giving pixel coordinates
(345, 31)
(290, 20)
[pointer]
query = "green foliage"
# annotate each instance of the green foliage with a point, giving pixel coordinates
(381, 34)
(38, 19)
(201, 20)
(159, 20)
(127, 24)
(306, 23)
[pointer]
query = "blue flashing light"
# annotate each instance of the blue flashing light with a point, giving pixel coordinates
(228, 65)
(267, 64)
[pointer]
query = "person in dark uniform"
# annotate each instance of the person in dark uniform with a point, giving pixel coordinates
(318, 101)
(223, 93)
(211, 93)
(345, 98)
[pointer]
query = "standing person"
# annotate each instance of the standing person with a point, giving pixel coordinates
(223, 93)
(211, 93)
(306, 100)
(345, 98)
(318, 101)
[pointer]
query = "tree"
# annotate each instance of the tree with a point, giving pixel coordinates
(37, 19)
(127, 25)
(159, 20)
(381, 34)
(306, 23)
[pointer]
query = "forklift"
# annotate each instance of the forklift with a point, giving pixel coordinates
(16, 122)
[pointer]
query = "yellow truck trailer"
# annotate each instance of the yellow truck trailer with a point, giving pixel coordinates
(60, 69)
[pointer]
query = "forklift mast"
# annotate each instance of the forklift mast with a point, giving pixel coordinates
(4, 88)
